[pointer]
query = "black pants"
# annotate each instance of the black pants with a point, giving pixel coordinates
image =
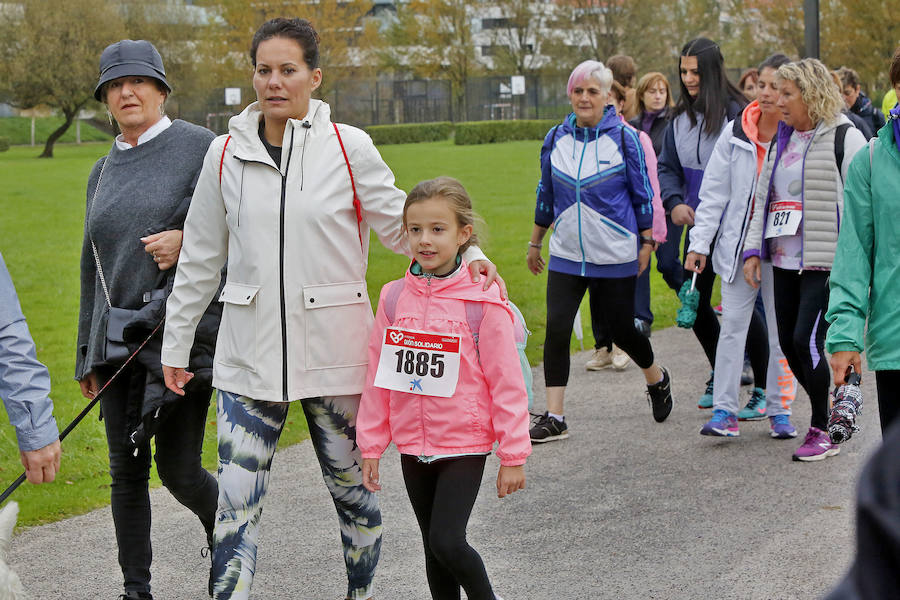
(888, 385)
(801, 300)
(616, 302)
(706, 326)
(442, 494)
(179, 444)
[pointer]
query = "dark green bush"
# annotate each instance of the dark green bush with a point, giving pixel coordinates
(410, 133)
(4, 144)
(489, 132)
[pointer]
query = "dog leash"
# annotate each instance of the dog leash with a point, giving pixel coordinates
(84, 411)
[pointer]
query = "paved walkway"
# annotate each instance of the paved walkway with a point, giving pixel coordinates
(625, 508)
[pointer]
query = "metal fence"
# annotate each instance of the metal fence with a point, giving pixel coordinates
(364, 102)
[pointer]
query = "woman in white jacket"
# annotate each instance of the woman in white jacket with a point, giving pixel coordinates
(723, 215)
(287, 199)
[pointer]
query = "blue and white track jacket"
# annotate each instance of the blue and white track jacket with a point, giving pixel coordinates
(595, 192)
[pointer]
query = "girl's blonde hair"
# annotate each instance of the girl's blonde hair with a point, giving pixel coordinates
(648, 81)
(813, 79)
(454, 193)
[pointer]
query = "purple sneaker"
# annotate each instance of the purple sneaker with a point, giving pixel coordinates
(816, 446)
(781, 427)
(722, 424)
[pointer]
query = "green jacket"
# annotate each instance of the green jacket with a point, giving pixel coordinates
(865, 279)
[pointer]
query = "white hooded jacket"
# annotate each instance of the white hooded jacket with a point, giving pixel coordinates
(296, 311)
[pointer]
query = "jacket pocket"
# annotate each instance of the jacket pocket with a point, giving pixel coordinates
(337, 324)
(236, 345)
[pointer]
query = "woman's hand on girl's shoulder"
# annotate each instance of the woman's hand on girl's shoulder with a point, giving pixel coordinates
(510, 479)
(485, 267)
(371, 479)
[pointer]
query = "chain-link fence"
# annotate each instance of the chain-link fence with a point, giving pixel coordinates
(364, 102)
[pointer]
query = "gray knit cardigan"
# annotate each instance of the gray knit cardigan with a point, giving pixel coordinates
(141, 189)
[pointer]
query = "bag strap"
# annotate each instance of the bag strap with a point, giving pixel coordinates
(390, 300)
(474, 316)
(356, 204)
(839, 135)
(93, 246)
(222, 161)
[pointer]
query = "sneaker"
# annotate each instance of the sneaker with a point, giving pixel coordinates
(781, 427)
(601, 359)
(816, 446)
(642, 326)
(722, 424)
(706, 400)
(659, 395)
(747, 373)
(756, 406)
(133, 595)
(620, 360)
(718, 310)
(547, 429)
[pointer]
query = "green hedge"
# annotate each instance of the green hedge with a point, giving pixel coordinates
(411, 133)
(18, 130)
(4, 144)
(489, 132)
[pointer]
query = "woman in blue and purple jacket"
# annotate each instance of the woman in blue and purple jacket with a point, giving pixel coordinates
(596, 194)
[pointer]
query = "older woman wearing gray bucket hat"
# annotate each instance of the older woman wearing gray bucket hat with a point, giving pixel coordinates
(137, 200)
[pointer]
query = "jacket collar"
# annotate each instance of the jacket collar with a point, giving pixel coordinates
(244, 130)
(457, 286)
(608, 121)
(786, 131)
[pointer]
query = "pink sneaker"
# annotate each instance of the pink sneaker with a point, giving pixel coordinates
(816, 446)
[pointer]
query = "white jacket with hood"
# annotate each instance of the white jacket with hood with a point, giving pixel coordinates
(296, 313)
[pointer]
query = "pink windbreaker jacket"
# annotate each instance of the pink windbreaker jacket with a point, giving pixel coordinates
(490, 403)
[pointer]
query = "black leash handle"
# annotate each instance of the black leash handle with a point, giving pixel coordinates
(21, 479)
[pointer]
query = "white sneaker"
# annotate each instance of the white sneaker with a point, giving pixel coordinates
(620, 360)
(601, 359)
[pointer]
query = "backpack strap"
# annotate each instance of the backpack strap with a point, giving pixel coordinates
(222, 160)
(390, 299)
(356, 204)
(474, 315)
(839, 135)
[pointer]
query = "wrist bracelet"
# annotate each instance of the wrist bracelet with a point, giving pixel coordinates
(533, 245)
(648, 240)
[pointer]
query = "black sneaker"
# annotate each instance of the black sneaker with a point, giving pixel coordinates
(659, 395)
(548, 429)
(133, 595)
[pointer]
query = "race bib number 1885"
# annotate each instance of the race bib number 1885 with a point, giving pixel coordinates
(418, 362)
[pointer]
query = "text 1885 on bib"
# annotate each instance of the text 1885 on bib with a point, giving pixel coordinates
(418, 362)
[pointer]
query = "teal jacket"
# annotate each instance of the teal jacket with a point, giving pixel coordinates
(865, 278)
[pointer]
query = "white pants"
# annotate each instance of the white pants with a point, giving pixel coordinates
(738, 299)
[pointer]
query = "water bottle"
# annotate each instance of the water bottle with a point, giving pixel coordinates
(847, 405)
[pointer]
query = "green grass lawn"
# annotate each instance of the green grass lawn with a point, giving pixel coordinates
(42, 210)
(18, 130)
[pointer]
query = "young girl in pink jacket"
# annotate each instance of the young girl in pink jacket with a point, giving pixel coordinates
(442, 397)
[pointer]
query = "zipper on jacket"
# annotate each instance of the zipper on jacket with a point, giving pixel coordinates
(428, 277)
(284, 361)
(578, 199)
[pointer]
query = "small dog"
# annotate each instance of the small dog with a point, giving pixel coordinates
(10, 586)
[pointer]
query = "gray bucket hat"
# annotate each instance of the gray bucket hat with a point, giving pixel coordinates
(130, 57)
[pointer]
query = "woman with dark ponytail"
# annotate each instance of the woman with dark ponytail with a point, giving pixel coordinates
(707, 103)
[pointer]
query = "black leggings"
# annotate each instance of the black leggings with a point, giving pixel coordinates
(616, 301)
(442, 494)
(888, 385)
(801, 300)
(706, 326)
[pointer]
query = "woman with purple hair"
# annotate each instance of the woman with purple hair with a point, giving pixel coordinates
(596, 193)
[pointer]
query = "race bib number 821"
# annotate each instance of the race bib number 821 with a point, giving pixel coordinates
(418, 362)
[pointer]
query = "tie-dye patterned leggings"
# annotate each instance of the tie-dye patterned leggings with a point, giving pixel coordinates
(248, 431)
